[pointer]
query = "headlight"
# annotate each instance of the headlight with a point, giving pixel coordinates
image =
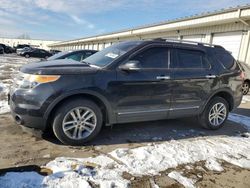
(29, 81)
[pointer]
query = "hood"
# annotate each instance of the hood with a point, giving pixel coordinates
(56, 67)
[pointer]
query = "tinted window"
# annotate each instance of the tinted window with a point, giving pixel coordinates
(109, 54)
(58, 55)
(225, 59)
(22, 46)
(76, 57)
(153, 58)
(189, 59)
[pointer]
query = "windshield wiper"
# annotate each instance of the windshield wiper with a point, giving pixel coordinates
(85, 62)
(91, 65)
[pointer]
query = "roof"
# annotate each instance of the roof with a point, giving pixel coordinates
(196, 16)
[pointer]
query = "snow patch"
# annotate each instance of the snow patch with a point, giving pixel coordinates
(68, 180)
(245, 99)
(104, 170)
(24, 179)
(212, 164)
(186, 182)
(4, 107)
(107, 171)
(150, 160)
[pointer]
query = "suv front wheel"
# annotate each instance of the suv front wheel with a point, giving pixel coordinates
(77, 121)
(215, 113)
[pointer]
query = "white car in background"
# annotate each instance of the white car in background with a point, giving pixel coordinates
(246, 83)
(22, 50)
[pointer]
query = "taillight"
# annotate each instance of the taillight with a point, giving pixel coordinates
(242, 75)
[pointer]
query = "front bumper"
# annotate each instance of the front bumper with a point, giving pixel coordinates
(28, 106)
(26, 117)
(237, 101)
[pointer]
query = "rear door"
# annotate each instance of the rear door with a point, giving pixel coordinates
(194, 80)
(144, 94)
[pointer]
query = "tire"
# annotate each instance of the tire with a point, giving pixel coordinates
(210, 123)
(27, 55)
(245, 88)
(63, 128)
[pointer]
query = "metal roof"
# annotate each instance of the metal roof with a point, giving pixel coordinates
(196, 16)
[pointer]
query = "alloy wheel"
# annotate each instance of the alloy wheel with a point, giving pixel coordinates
(79, 123)
(245, 88)
(217, 114)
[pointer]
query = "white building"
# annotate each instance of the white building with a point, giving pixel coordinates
(228, 27)
(33, 42)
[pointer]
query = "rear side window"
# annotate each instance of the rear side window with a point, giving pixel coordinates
(190, 59)
(226, 59)
(153, 58)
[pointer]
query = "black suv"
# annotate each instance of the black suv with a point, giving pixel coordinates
(127, 82)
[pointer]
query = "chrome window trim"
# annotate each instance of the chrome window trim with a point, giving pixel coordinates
(157, 110)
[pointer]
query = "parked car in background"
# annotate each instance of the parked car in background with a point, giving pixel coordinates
(21, 46)
(22, 50)
(127, 82)
(54, 51)
(246, 83)
(40, 53)
(1, 50)
(7, 49)
(77, 55)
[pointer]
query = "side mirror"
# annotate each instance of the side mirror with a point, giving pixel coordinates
(132, 65)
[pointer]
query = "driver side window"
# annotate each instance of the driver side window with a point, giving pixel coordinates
(153, 58)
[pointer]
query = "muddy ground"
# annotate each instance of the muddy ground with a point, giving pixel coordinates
(19, 148)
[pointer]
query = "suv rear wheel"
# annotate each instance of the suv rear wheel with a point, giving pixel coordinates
(215, 113)
(77, 121)
(245, 88)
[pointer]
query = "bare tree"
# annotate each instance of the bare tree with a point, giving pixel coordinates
(24, 36)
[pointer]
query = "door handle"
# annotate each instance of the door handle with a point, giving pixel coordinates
(211, 76)
(163, 77)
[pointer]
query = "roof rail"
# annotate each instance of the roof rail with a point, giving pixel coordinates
(192, 42)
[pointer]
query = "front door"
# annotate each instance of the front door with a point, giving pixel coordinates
(144, 94)
(35, 53)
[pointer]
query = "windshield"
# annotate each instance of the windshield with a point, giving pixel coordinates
(106, 56)
(58, 55)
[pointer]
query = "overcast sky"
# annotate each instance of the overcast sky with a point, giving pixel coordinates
(69, 19)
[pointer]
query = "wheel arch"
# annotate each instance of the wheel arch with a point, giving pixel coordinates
(100, 100)
(247, 80)
(226, 94)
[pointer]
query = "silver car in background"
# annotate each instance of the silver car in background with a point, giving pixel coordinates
(246, 84)
(19, 51)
